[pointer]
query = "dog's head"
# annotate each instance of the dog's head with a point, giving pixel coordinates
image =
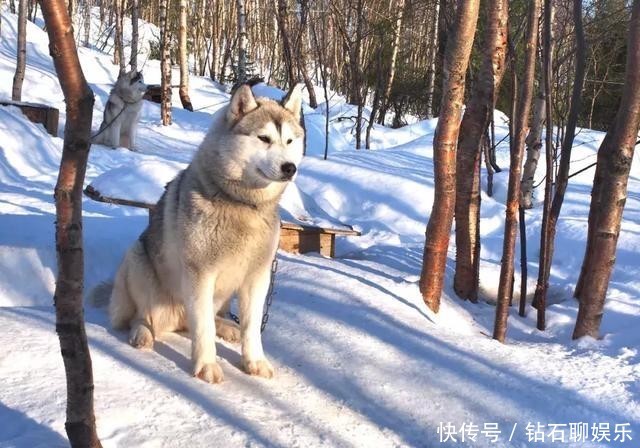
(132, 83)
(263, 142)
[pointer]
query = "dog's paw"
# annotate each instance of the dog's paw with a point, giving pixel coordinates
(210, 372)
(141, 337)
(259, 367)
(228, 333)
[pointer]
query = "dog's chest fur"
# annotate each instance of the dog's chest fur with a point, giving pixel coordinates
(210, 235)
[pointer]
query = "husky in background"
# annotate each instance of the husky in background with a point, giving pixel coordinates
(122, 111)
(214, 234)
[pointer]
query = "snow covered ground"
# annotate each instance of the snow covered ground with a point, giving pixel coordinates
(360, 360)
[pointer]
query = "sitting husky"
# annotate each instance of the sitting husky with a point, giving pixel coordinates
(213, 234)
(122, 111)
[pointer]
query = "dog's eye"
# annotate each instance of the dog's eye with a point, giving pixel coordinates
(265, 139)
(289, 141)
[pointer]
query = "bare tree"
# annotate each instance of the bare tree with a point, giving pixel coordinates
(118, 53)
(565, 153)
(432, 56)
(286, 42)
(165, 64)
(242, 41)
(610, 192)
(472, 131)
(446, 139)
(80, 420)
(539, 301)
(505, 286)
(534, 144)
(135, 15)
(392, 62)
(183, 91)
(86, 14)
(21, 59)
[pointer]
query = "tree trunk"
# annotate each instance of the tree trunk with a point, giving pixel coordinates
(286, 42)
(439, 227)
(135, 14)
(165, 64)
(21, 59)
(242, 42)
(431, 64)
(302, 54)
(184, 62)
(539, 299)
(357, 71)
(118, 53)
(86, 11)
(513, 192)
(565, 153)
(608, 199)
(392, 63)
(534, 144)
(472, 131)
(80, 420)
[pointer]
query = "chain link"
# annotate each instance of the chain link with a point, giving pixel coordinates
(268, 300)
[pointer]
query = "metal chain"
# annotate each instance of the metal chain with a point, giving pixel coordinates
(112, 121)
(268, 300)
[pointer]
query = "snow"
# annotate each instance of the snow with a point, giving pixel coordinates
(360, 361)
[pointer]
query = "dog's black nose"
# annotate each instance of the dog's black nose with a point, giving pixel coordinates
(288, 169)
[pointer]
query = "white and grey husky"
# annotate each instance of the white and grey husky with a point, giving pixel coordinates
(214, 234)
(122, 111)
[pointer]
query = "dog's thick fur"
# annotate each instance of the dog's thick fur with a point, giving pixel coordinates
(122, 111)
(214, 234)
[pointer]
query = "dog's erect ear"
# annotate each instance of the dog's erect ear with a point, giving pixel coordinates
(293, 101)
(242, 102)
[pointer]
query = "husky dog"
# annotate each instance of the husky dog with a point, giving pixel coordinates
(214, 234)
(122, 111)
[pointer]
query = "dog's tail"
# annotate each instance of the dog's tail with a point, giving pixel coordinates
(99, 296)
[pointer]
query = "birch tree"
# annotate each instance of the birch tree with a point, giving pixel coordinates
(21, 59)
(165, 64)
(444, 149)
(80, 422)
(610, 192)
(513, 192)
(183, 90)
(472, 130)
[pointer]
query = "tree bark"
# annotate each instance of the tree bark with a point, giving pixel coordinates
(610, 192)
(567, 143)
(80, 420)
(513, 192)
(534, 145)
(242, 42)
(183, 91)
(439, 227)
(135, 15)
(118, 53)
(388, 85)
(21, 59)
(472, 131)
(87, 22)
(544, 260)
(302, 54)
(357, 71)
(286, 42)
(431, 64)
(165, 64)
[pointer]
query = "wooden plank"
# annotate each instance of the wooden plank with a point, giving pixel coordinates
(38, 113)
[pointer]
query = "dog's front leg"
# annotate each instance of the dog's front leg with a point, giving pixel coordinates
(251, 300)
(202, 329)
